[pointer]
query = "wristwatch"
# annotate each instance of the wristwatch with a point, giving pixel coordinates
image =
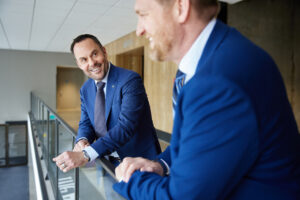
(86, 155)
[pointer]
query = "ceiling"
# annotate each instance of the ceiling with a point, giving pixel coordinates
(51, 25)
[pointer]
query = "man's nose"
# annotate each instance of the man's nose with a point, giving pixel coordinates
(91, 62)
(140, 30)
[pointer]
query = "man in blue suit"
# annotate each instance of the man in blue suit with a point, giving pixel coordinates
(127, 124)
(234, 133)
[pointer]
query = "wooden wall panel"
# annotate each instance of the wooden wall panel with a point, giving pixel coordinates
(132, 60)
(125, 44)
(158, 76)
(158, 80)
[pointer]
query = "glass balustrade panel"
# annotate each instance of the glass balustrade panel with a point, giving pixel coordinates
(52, 169)
(45, 134)
(66, 181)
(95, 183)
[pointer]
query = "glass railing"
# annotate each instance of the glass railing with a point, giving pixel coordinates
(55, 136)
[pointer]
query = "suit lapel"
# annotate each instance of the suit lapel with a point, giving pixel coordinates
(214, 40)
(110, 89)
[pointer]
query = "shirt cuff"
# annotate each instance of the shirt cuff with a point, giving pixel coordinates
(82, 138)
(165, 166)
(91, 152)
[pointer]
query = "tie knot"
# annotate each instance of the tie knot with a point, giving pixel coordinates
(180, 78)
(180, 74)
(100, 85)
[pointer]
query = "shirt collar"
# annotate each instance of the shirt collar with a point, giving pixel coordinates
(188, 63)
(106, 76)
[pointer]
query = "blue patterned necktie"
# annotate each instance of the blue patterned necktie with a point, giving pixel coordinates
(99, 111)
(178, 83)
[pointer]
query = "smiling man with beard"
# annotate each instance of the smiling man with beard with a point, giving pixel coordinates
(115, 112)
(234, 133)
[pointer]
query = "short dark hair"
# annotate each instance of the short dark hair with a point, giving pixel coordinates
(83, 37)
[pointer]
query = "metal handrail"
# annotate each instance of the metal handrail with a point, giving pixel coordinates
(107, 165)
(41, 190)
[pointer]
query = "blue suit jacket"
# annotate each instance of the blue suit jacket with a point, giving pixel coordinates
(234, 134)
(127, 113)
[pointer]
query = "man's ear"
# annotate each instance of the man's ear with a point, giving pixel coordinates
(182, 10)
(104, 51)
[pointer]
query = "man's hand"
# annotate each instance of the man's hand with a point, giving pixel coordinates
(69, 160)
(80, 145)
(130, 165)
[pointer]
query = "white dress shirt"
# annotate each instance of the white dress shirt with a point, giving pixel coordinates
(188, 63)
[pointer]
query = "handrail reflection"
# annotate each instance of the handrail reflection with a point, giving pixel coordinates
(40, 187)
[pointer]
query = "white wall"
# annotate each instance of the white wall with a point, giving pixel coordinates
(25, 71)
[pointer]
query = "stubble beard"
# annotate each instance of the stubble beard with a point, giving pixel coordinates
(104, 68)
(161, 48)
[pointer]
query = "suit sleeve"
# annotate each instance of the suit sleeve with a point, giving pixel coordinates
(214, 144)
(166, 156)
(133, 102)
(85, 127)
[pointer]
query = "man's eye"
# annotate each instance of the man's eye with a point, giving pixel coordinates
(143, 14)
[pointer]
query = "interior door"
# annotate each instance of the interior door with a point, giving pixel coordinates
(69, 81)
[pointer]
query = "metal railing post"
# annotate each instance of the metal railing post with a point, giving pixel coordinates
(56, 154)
(48, 141)
(76, 177)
